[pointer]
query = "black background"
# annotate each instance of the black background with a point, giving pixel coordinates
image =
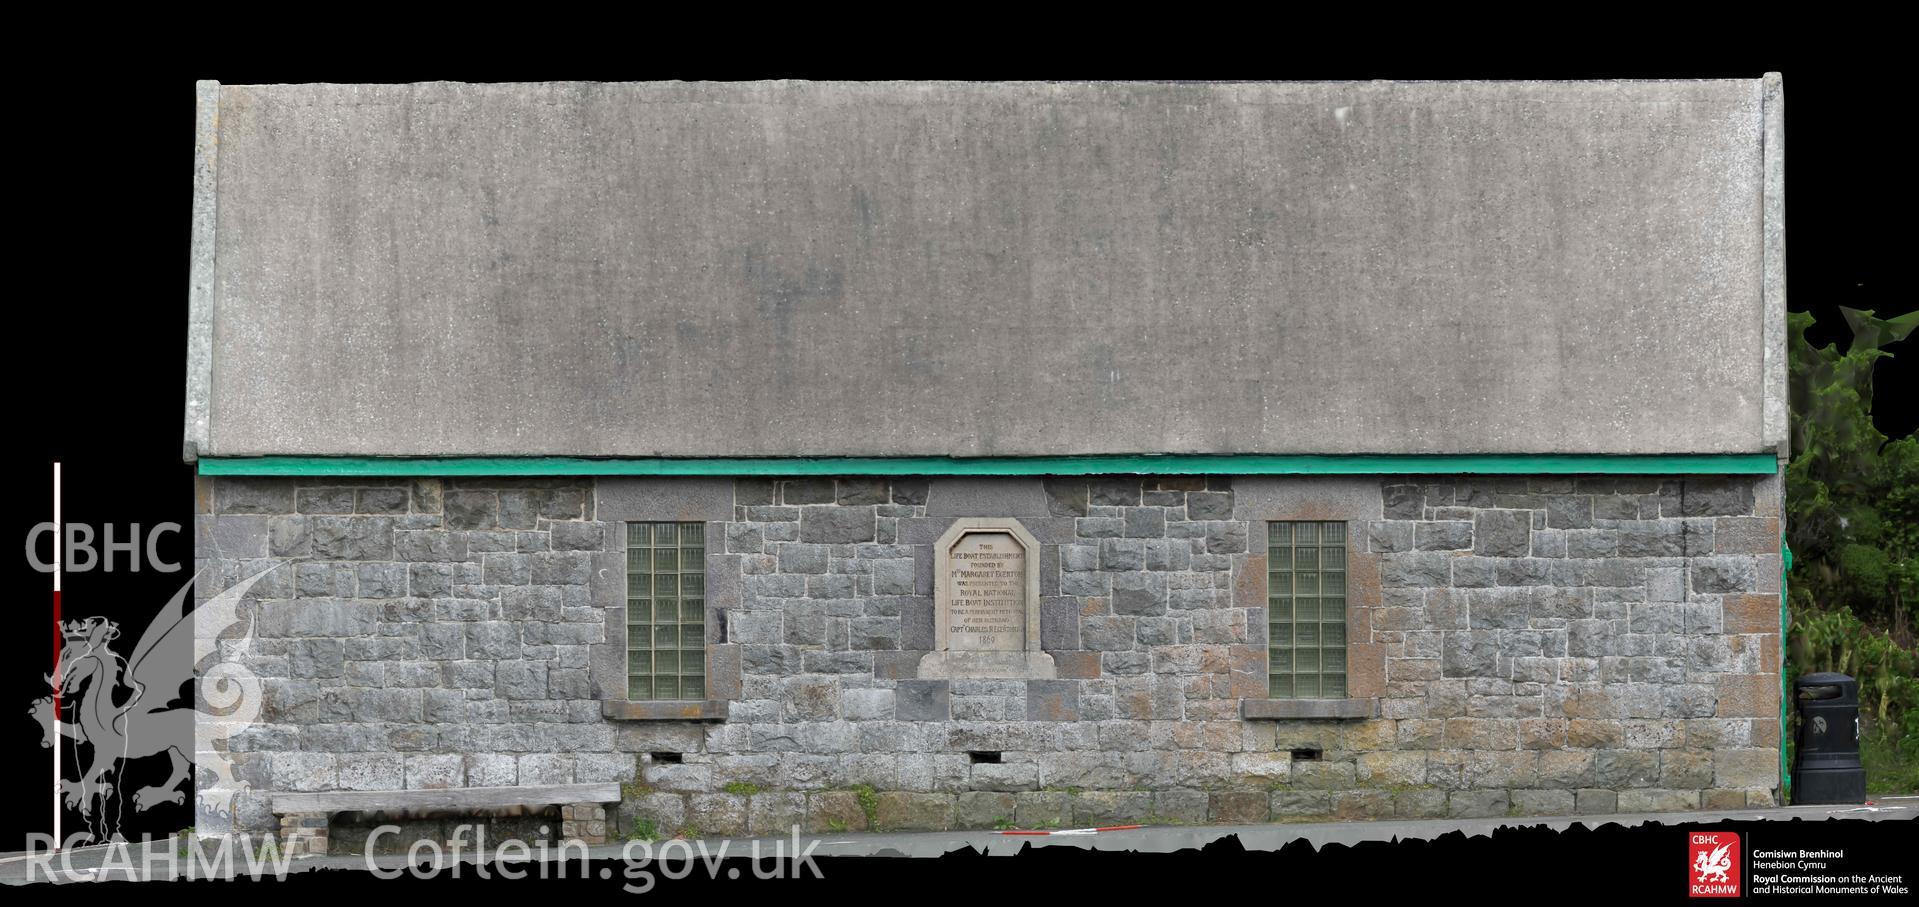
(104, 198)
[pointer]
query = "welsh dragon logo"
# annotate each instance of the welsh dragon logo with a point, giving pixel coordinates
(1712, 866)
(125, 709)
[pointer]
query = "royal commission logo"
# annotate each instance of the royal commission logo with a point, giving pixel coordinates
(119, 706)
(172, 699)
(1712, 864)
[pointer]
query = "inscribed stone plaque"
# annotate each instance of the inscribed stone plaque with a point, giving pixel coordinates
(986, 603)
(987, 611)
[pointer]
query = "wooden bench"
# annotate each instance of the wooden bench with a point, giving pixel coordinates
(304, 817)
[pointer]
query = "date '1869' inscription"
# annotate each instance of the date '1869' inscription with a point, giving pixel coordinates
(988, 607)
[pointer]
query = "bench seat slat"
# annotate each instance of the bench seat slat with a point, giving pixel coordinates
(450, 798)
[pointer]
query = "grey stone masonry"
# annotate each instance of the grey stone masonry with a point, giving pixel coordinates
(413, 634)
(1546, 644)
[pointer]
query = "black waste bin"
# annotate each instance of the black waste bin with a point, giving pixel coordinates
(1826, 768)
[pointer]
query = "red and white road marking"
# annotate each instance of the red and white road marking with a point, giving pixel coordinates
(1073, 831)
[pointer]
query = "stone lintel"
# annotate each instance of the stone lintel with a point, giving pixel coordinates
(664, 710)
(1308, 708)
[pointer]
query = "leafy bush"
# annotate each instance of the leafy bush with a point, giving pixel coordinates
(1852, 518)
(1852, 498)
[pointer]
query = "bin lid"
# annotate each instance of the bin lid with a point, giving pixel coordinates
(1822, 678)
(1837, 688)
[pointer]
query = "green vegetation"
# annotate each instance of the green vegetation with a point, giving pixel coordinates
(741, 788)
(1852, 518)
(636, 788)
(644, 829)
(869, 804)
(1890, 766)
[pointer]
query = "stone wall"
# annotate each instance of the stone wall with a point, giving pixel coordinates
(1542, 645)
(413, 634)
(1588, 644)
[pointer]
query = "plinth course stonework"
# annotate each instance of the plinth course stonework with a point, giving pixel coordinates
(1538, 645)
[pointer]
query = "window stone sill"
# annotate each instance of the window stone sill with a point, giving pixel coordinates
(664, 709)
(1308, 708)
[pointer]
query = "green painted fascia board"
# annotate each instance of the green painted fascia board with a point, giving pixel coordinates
(1250, 464)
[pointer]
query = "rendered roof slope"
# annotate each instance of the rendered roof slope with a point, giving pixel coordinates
(959, 269)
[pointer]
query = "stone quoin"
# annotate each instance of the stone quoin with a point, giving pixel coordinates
(933, 455)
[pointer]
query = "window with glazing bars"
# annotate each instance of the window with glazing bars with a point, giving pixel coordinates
(1306, 610)
(666, 610)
